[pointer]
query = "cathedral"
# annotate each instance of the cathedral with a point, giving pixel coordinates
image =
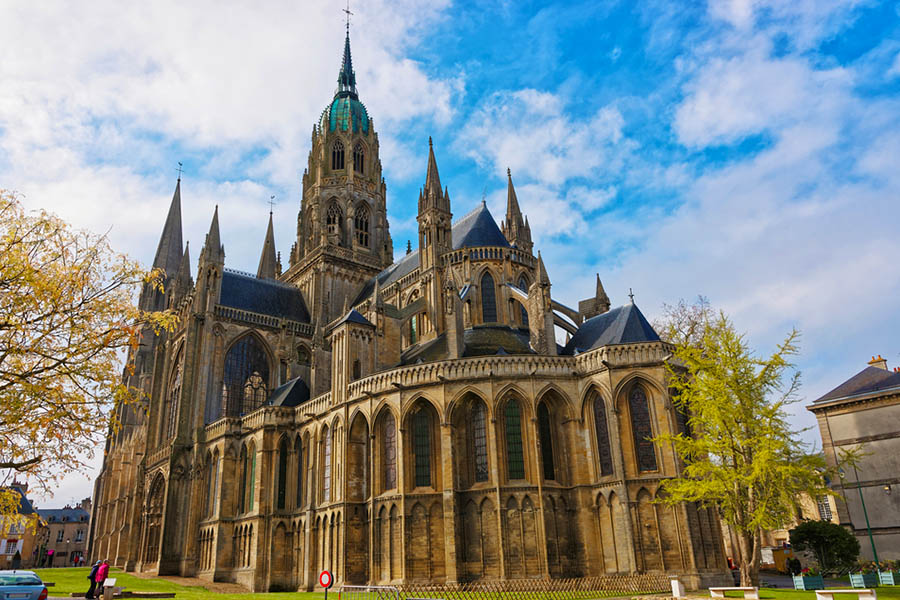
(392, 421)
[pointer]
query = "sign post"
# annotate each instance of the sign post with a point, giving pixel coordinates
(326, 580)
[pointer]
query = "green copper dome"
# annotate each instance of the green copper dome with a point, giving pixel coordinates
(346, 111)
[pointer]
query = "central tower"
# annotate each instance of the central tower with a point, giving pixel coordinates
(343, 238)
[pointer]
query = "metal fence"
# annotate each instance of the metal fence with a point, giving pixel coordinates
(582, 588)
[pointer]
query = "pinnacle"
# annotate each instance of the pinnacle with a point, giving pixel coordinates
(213, 241)
(432, 178)
(267, 261)
(169, 250)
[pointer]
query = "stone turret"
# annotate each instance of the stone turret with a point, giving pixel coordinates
(540, 312)
(597, 305)
(515, 228)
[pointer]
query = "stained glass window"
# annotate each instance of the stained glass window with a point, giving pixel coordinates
(246, 375)
(282, 473)
(642, 429)
(172, 403)
(359, 156)
(389, 456)
(414, 330)
(515, 459)
(333, 219)
(422, 448)
(337, 156)
(546, 436)
(361, 222)
(523, 285)
(326, 484)
(601, 426)
(479, 442)
(488, 299)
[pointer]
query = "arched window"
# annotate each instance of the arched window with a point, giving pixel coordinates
(337, 156)
(212, 482)
(488, 299)
(303, 356)
(326, 477)
(479, 441)
(333, 219)
(251, 480)
(642, 430)
(244, 387)
(389, 452)
(545, 432)
(421, 448)
(359, 156)
(282, 474)
(298, 450)
(515, 457)
(357, 369)
(601, 428)
(172, 401)
(523, 285)
(413, 329)
(361, 223)
(245, 470)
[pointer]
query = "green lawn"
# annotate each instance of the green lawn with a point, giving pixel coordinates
(887, 591)
(70, 580)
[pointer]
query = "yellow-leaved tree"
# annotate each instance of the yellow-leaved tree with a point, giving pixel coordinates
(67, 320)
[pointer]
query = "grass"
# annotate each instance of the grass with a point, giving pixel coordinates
(74, 579)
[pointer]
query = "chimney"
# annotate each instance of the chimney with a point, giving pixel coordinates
(879, 362)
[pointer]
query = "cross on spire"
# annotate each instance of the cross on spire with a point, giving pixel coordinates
(180, 170)
(347, 11)
(631, 295)
(271, 203)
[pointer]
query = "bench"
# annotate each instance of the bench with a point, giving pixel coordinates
(829, 594)
(750, 593)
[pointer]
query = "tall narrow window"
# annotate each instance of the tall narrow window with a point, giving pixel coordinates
(282, 474)
(413, 330)
(361, 224)
(488, 299)
(357, 369)
(601, 427)
(642, 429)
(359, 156)
(245, 468)
(546, 434)
(389, 452)
(251, 482)
(174, 395)
(523, 285)
(479, 442)
(244, 387)
(337, 156)
(298, 445)
(326, 478)
(515, 459)
(422, 448)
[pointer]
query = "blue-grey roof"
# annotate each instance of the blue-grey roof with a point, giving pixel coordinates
(622, 325)
(63, 515)
(867, 381)
(402, 267)
(25, 505)
(292, 393)
(354, 317)
(264, 296)
(478, 228)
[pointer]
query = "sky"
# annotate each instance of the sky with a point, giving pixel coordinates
(743, 150)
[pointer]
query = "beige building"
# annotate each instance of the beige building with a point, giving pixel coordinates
(18, 544)
(392, 421)
(66, 534)
(864, 413)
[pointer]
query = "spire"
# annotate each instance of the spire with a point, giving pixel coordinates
(543, 278)
(212, 248)
(168, 252)
(268, 267)
(183, 281)
(513, 214)
(346, 76)
(600, 294)
(432, 179)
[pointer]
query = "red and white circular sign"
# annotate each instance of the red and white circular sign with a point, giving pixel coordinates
(325, 579)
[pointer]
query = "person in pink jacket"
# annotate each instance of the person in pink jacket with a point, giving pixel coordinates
(102, 572)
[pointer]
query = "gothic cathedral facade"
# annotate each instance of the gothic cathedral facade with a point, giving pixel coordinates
(391, 420)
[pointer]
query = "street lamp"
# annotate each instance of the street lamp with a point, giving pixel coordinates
(67, 559)
(865, 513)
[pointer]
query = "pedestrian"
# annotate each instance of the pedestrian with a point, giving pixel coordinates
(92, 577)
(102, 572)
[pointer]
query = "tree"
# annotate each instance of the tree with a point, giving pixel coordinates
(67, 319)
(742, 456)
(835, 547)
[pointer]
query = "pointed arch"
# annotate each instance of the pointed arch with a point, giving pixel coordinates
(359, 158)
(334, 220)
(361, 224)
(488, 298)
(469, 419)
(281, 494)
(299, 456)
(173, 399)
(642, 428)
(422, 462)
(603, 449)
(357, 459)
(512, 434)
(386, 439)
(246, 377)
(326, 463)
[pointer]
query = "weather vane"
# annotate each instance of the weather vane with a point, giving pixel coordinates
(179, 169)
(631, 295)
(347, 10)
(271, 203)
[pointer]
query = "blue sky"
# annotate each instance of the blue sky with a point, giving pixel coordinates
(748, 151)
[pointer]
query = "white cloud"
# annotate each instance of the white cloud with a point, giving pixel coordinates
(894, 70)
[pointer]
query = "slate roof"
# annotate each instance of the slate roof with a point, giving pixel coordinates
(263, 296)
(56, 515)
(291, 393)
(25, 505)
(867, 381)
(354, 317)
(621, 325)
(485, 340)
(478, 228)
